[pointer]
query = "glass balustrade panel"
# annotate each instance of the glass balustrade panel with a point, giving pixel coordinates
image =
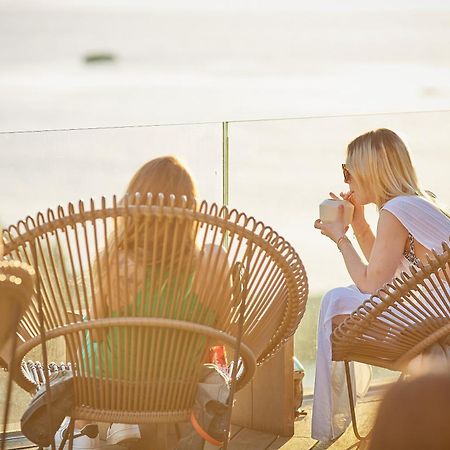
(45, 169)
(280, 171)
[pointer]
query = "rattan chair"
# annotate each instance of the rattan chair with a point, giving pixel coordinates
(94, 261)
(16, 289)
(399, 322)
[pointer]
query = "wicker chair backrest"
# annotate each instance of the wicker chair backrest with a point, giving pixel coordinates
(140, 258)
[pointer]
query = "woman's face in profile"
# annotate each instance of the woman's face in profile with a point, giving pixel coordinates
(361, 196)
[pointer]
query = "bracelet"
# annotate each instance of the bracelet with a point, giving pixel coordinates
(340, 240)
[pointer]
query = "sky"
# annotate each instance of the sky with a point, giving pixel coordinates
(255, 5)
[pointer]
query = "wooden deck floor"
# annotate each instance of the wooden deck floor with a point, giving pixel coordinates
(246, 439)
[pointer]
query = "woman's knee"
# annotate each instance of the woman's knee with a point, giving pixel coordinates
(334, 295)
(332, 300)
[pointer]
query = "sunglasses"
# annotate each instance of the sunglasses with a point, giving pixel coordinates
(346, 173)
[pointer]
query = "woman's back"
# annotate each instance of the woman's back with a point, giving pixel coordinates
(424, 220)
(426, 224)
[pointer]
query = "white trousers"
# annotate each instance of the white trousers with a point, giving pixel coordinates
(331, 409)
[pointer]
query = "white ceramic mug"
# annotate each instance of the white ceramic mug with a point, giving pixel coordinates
(329, 210)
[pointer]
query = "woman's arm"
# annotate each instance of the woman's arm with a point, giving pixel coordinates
(361, 228)
(386, 252)
(365, 237)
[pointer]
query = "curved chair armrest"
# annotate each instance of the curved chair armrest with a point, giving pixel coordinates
(218, 337)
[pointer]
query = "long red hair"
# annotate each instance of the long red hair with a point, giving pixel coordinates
(140, 243)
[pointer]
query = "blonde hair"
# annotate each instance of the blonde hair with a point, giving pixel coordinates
(380, 163)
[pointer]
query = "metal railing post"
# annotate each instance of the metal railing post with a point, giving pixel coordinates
(225, 163)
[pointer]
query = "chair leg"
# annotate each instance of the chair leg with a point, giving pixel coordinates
(352, 403)
(234, 373)
(10, 382)
(68, 435)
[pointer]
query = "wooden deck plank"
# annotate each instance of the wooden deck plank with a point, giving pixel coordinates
(279, 443)
(302, 426)
(235, 429)
(18, 442)
(365, 413)
(294, 443)
(250, 439)
(255, 440)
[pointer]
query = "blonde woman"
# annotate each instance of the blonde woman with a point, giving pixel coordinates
(378, 170)
(133, 278)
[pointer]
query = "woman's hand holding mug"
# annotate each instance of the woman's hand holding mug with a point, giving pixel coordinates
(335, 217)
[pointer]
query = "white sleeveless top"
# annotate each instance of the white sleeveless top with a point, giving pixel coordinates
(423, 220)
